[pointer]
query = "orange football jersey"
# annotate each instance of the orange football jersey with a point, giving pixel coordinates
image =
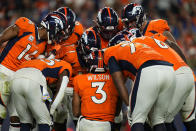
(51, 69)
(75, 36)
(23, 47)
(155, 26)
(168, 53)
(66, 51)
(129, 57)
(98, 96)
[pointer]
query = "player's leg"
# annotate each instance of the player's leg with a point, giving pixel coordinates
(38, 107)
(4, 96)
(14, 119)
(69, 105)
(61, 115)
(142, 98)
(184, 85)
(188, 111)
(166, 82)
(18, 89)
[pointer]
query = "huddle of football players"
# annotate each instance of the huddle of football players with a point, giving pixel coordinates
(56, 69)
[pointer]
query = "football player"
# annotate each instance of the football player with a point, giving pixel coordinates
(107, 25)
(95, 98)
(66, 50)
(133, 15)
(25, 41)
(144, 65)
(30, 91)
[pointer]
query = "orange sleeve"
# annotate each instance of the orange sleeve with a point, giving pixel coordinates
(25, 25)
(160, 37)
(79, 29)
(162, 25)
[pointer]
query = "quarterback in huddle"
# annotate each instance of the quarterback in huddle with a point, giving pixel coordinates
(60, 70)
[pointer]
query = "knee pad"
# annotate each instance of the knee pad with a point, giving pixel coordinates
(3, 112)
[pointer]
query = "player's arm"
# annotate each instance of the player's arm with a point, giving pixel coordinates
(118, 79)
(175, 47)
(9, 33)
(60, 91)
(118, 107)
(76, 104)
(169, 36)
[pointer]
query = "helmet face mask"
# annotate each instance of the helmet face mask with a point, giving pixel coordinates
(108, 32)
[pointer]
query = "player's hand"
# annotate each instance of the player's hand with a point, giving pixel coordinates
(52, 109)
(129, 115)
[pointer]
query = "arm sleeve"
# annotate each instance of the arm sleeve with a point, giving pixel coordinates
(24, 24)
(67, 67)
(113, 65)
(162, 26)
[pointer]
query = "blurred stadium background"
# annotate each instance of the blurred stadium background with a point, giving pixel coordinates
(180, 14)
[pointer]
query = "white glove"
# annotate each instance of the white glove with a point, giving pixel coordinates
(60, 95)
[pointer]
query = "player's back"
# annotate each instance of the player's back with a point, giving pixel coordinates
(168, 53)
(98, 96)
(23, 47)
(134, 53)
(155, 26)
(51, 69)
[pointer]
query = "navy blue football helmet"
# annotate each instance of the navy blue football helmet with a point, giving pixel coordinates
(56, 24)
(89, 41)
(133, 12)
(71, 18)
(107, 20)
(125, 35)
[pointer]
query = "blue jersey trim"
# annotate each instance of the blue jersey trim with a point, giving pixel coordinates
(51, 72)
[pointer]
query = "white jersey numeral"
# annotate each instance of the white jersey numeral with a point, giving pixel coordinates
(132, 46)
(24, 51)
(49, 62)
(161, 44)
(27, 56)
(99, 90)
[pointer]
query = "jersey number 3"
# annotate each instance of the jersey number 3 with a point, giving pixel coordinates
(99, 86)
